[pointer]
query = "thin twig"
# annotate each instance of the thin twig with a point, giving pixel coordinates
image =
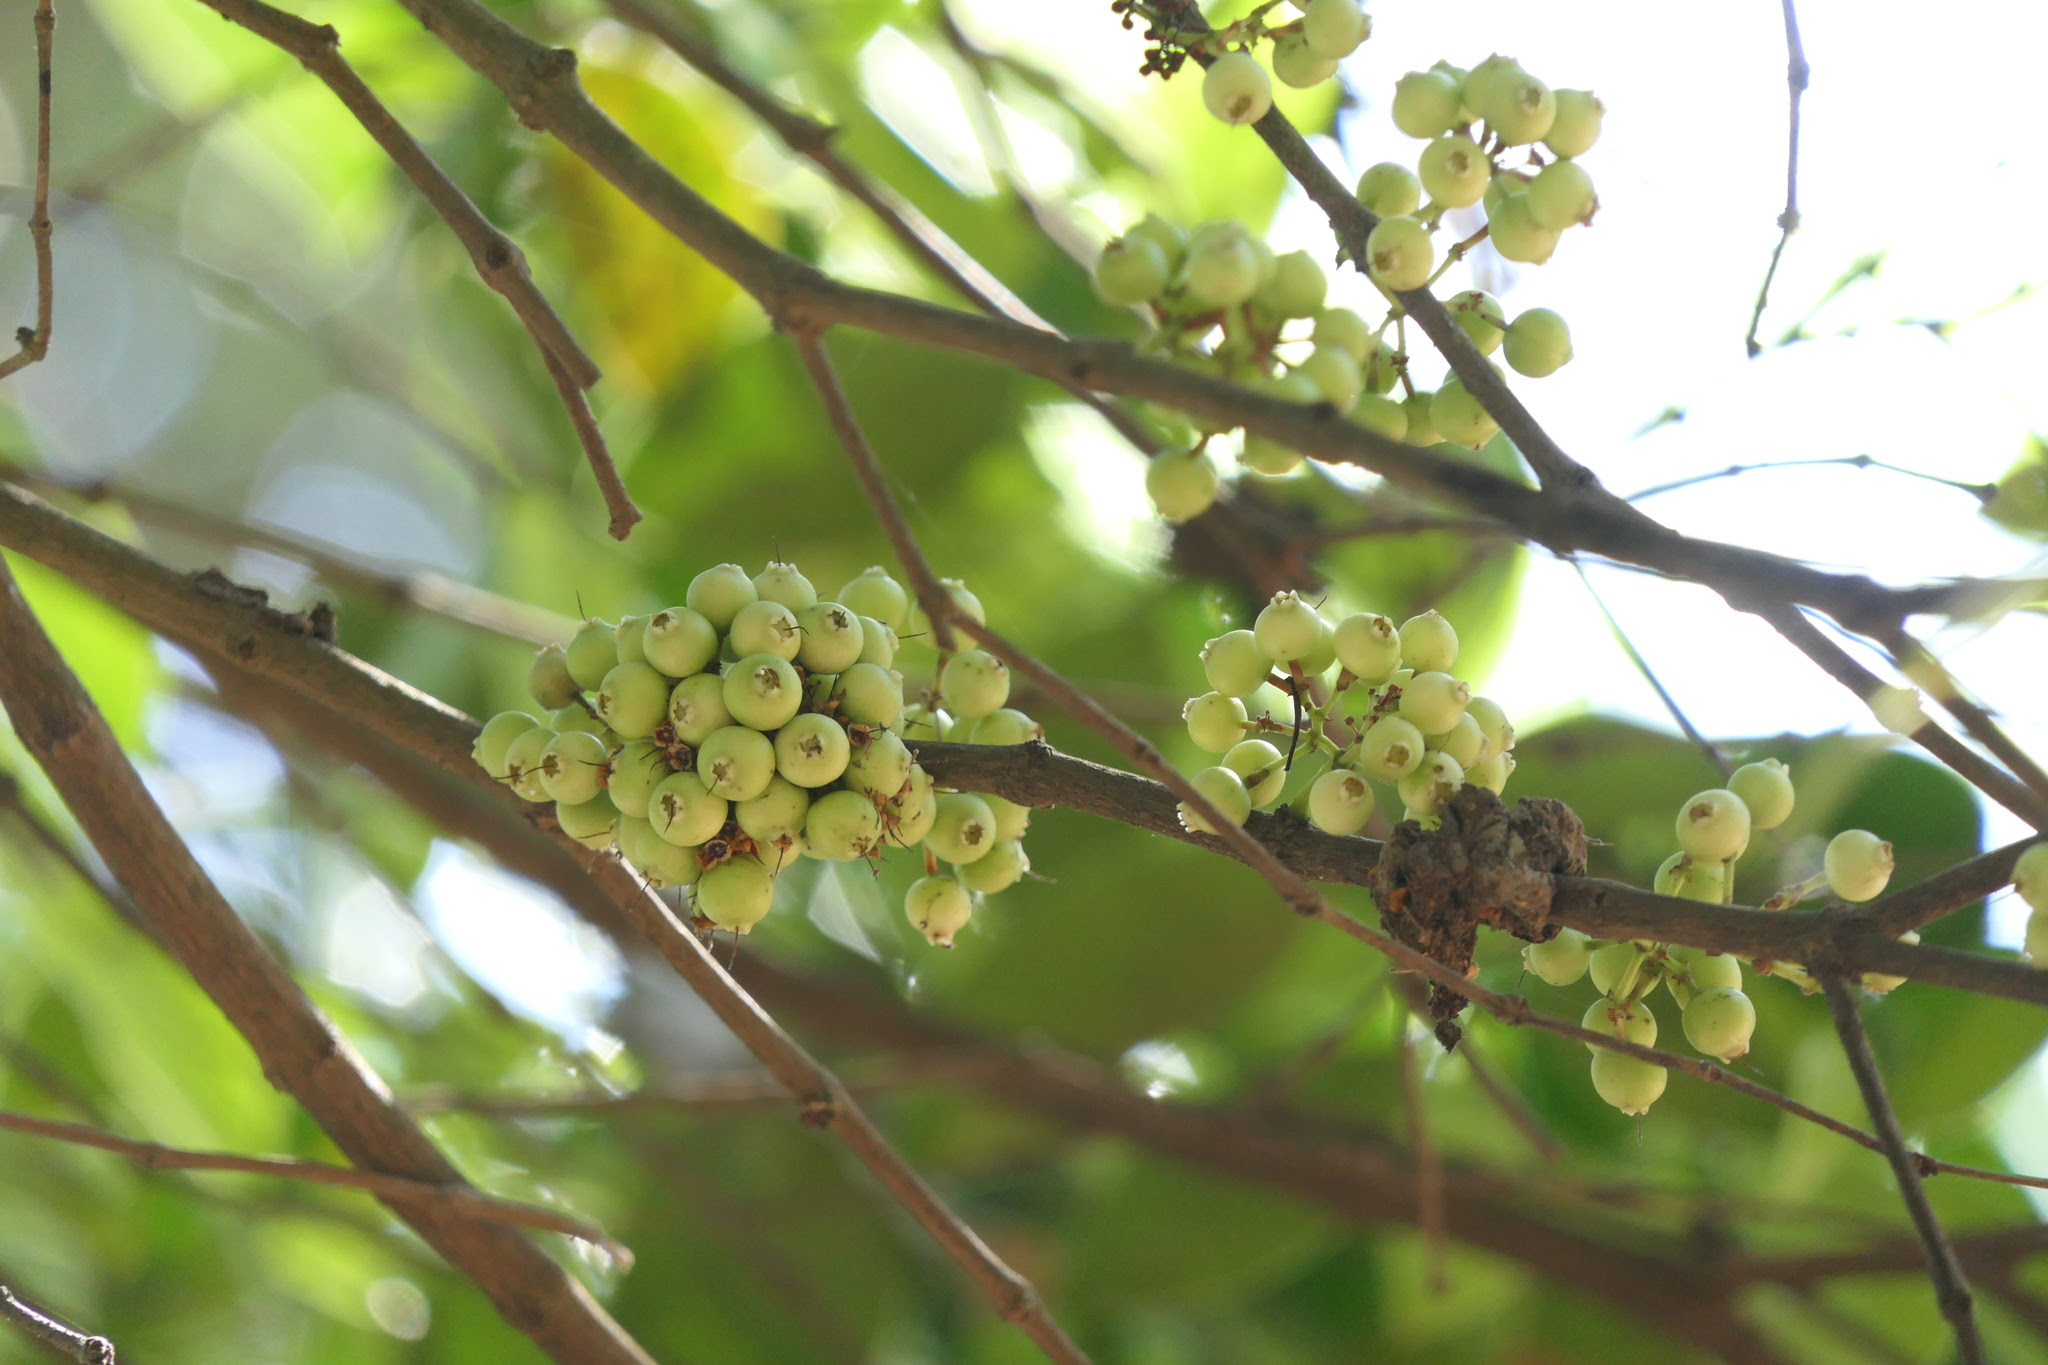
(461, 1198)
(1429, 1167)
(1503, 1097)
(1951, 1290)
(37, 1325)
(1915, 661)
(498, 260)
(1796, 76)
(1983, 492)
(1878, 1349)
(34, 342)
(1699, 741)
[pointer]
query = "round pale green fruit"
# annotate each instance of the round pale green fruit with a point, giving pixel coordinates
(718, 593)
(1561, 196)
(1340, 802)
(1381, 415)
(1297, 287)
(1455, 171)
(938, 908)
(1236, 90)
(1519, 107)
(1576, 125)
(1262, 766)
(696, 708)
(812, 750)
(765, 627)
(763, 692)
(736, 763)
(633, 699)
(1516, 234)
(1224, 790)
(1234, 664)
(1459, 417)
(874, 593)
(1630, 1023)
(843, 826)
(737, 894)
(1182, 484)
(1538, 343)
(679, 642)
(781, 582)
(1132, 270)
(869, 695)
(660, 862)
(1391, 750)
(1858, 864)
(1334, 28)
(1399, 253)
(963, 830)
(1691, 879)
(1003, 867)
(1614, 969)
(1389, 190)
(1428, 643)
(636, 770)
(1713, 826)
(1369, 646)
(775, 813)
(1297, 64)
(590, 823)
(1719, 1022)
(1628, 1083)
(549, 679)
(1766, 788)
(1426, 103)
(1561, 961)
(974, 683)
(1434, 701)
(1287, 628)
(683, 812)
(574, 767)
(1342, 327)
(1479, 315)
(494, 741)
(523, 759)
(593, 653)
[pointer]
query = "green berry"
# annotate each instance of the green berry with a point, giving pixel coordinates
(1455, 170)
(1131, 270)
(1628, 1083)
(1615, 968)
(1006, 726)
(1224, 790)
(1236, 90)
(1858, 864)
(2030, 876)
(843, 826)
(523, 757)
(1714, 826)
(1493, 723)
(1492, 773)
(811, 750)
(1704, 970)
(737, 894)
(1011, 819)
(495, 739)
(1421, 419)
(1516, 234)
(718, 593)
(874, 593)
(1399, 253)
(780, 582)
(1719, 1022)
(1433, 782)
(1334, 28)
(683, 813)
(1297, 64)
(1172, 241)
(1234, 664)
(915, 808)
(1262, 766)
(1262, 455)
(829, 637)
(696, 708)
(1297, 287)
(1390, 750)
(633, 700)
(964, 601)
(974, 683)
(593, 653)
(1222, 269)
(1433, 702)
(636, 770)
(1561, 196)
(963, 830)
(869, 695)
(573, 768)
(1519, 107)
(627, 639)
(549, 679)
(1389, 190)
(1182, 484)
(1426, 103)
(1690, 878)
(660, 862)
(1477, 89)
(1318, 660)
(576, 718)
(1630, 1023)
(878, 643)
(1002, 869)
(679, 642)
(765, 628)
(1340, 802)
(763, 692)
(1368, 646)
(1381, 416)
(1215, 722)
(590, 823)
(1576, 126)
(880, 768)
(736, 763)
(1428, 643)
(1287, 628)
(1465, 742)
(1478, 314)
(1766, 788)
(778, 811)
(1538, 343)
(1344, 328)
(938, 908)
(1335, 374)
(1561, 961)
(1458, 416)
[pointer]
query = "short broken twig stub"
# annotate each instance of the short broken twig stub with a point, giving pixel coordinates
(1485, 863)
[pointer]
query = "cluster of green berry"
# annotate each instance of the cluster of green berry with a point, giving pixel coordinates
(1713, 830)
(1363, 698)
(716, 742)
(1306, 52)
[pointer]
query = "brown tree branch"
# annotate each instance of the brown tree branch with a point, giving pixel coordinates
(1951, 1290)
(299, 1050)
(1797, 73)
(33, 343)
(461, 1200)
(1915, 661)
(1429, 1166)
(498, 260)
(48, 1330)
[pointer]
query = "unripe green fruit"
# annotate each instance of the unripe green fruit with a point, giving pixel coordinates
(1492, 773)
(1458, 416)
(811, 750)
(1628, 1083)
(590, 823)
(1478, 313)
(1171, 239)
(1562, 961)
(1389, 190)
(1538, 343)
(1520, 108)
(1433, 782)
(1614, 969)
(1704, 970)
(718, 593)
(523, 757)
(1249, 759)
(938, 908)
(1390, 750)
(964, 828)
(926, 720)
(878, 643)
(874, 593)
(1399, 253)
(1011, 819)
(569, 718)
(1433, 702)
(1234, 664)
(626, 638)
(633, 700)
(1465, 742)
(1421, 418)
(1224, 790)
(778, 811)
(495, 740)
(843, 826)
(1368, 646)
(974, 683)
(1132, 270)
(1002, 869)
(1516, 234)
(1428, 643)
(1691, 879)
(736, 763)
(1221, 269)
(1455, 170)
(1297, 64)
(1182, 484)
(1632, 1023)
(549, 679)
(1263, 455)
(636, 770)
(659, 861)
(869, 695)
(1576, 125)
(780, 582)
(593, 653)
(1479, 81)
(1334, 28)
(1342, 327)
(1335, 374)
(1318, 660)
(765, 628)
(1006, 726)
(737, 894)
(1426, 103)
(1493, 723)
(1382, 416)
(1858, 864)
(1713, 826)
(1215, 722)
(1236, 90)
(2030, 876)
(679, 642)
(696, 708)
(1766, 788)
(914, 810)
(1719, 1022)
(1297, 287)
(1898, 709)
(682, 812)
(879, 768)
(1340, 802)
(1287, 628)
(1561, 196)
(829, 637)
(573, 767)
(763, 692)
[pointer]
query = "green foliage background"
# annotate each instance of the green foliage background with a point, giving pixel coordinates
(325, 293)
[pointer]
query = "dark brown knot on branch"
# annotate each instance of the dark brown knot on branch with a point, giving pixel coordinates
(1485, 863)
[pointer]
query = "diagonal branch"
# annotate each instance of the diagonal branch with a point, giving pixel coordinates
(34, 342)
(1797, 74)
(1951, 1290)
(37, 1325)
(498, 260)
